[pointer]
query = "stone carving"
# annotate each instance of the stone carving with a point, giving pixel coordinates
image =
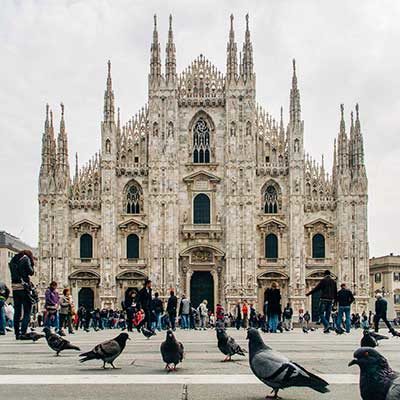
(202, 256)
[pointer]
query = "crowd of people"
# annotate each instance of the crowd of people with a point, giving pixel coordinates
(141, 309)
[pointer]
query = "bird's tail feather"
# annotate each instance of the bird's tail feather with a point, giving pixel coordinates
(73, 347)
(315, 382)
(90, 355)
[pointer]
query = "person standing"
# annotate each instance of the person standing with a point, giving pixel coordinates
(52, 302)
(67, 310)
(4, 294)
(157, 309)
(203, 313)
(144, 298)
(172, 306)
(127, 305)
(381, 313)
(344, 298)
(184, 311)
(245, 313)
(274, 307)
(328, 289)
(238, 315)
(287, 317)
(22, 268)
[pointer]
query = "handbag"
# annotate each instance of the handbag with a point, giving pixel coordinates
(31, 292)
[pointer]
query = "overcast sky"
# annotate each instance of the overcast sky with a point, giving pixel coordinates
(53, 51)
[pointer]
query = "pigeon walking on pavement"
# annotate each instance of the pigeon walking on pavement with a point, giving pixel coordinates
(276, 370)
(107, 351)
(172, 351)
(371, 339)
(34, 336)
(377, 380)
(148, 333)
(57, 343)
(228, 345)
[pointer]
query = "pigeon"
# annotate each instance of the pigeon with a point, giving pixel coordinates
(377, 380)
(171, 351)
(276, 370)
(148, 333)
(305, 330)
(371, 339)
(34, 336)
(107, 351)
(339, 330)
(57, 343)
(227, 345)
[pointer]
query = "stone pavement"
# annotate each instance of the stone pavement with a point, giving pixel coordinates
(31, 371)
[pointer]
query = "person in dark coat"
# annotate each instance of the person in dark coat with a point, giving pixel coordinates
(344, 298)
(157, 309)
(172, 306)
(381, 313)
(144, 298)
(238, 315)
(130, 295)
(274, 309)
(21, 268)
(328, 289)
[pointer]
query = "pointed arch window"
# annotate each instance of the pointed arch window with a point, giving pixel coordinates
(201, 142)
(132, 247)
(201, 209)
(133, 200)
(86, 247)
(270, 200)
(271, 247)
(318, 246)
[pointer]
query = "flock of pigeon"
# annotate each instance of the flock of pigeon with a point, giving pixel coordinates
(377, 380)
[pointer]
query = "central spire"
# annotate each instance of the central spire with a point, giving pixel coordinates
(109, 98)
(155, 57)
(295, 110)
(231, 57)
(170, 64)
(247, 53)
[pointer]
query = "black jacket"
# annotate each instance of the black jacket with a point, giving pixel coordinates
(288, 312)
(21, 268)
(157, 305)
(327, 287)
(172, 304)
(144, 299)
(274, 301)
(345, 297)
(381, 307)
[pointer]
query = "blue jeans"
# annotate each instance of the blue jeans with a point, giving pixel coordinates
(273, 321)
(185, 321)
(157, 323)
(325, 309)
(346, 311)
(2, 317)
(52, 320)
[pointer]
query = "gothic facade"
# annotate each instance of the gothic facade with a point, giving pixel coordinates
(205, 192)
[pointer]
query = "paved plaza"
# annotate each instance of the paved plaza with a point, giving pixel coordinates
(31, 371)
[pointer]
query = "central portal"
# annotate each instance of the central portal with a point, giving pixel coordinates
(202, 288)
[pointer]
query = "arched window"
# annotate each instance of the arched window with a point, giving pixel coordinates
(86, 247)
(271, 246)
(133, 200)
(270, 200)
(318, 246)
(132, 246)
(201, 142)
(201, 209)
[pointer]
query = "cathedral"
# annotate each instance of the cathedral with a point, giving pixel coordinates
(204, 192)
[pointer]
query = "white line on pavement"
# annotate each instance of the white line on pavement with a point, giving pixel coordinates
(170, 379)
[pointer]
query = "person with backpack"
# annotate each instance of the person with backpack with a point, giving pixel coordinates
(287, 317)
(157, 309)
(4, 294)
(21, 269)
